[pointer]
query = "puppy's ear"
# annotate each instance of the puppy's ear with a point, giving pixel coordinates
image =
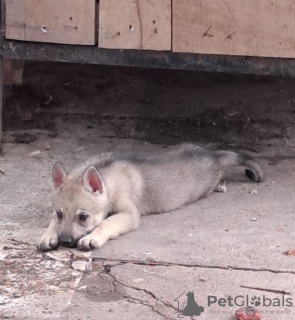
(59, 175)
(92, 181)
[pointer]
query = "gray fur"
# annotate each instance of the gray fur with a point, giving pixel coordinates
(179, 176)
(136, 184)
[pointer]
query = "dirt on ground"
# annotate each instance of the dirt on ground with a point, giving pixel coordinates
(158, 106)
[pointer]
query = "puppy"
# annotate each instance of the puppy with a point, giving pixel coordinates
(106, 196)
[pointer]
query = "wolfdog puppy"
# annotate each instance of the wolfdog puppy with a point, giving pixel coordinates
(106, 196)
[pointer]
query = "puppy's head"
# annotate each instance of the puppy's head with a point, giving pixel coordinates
(80, 203)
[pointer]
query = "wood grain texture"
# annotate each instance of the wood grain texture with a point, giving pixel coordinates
(264, 28)
(55, 21)
(135, 24)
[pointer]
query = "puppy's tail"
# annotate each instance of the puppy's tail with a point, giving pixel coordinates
(228, 159)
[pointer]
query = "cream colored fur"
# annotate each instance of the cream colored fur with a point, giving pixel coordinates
(113, 190)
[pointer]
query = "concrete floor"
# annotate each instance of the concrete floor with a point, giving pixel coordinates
(229, 244)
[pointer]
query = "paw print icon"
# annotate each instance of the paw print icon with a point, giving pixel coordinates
(256, 301)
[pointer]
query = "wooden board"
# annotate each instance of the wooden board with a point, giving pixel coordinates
(135, 24)
(235, 27)
(56, 21)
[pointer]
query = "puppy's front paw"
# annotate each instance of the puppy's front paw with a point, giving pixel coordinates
(48, 242)
(88, 243)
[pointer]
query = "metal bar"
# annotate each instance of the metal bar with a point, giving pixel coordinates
(146, 59)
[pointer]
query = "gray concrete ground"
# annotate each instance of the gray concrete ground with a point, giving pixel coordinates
(228, 245)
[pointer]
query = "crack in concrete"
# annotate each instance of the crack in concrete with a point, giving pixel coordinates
(145, 303)
(107, 270)
(202, 266)
(140, 24)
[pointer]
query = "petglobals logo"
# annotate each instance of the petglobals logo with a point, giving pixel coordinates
(256, 301)
(187, 305)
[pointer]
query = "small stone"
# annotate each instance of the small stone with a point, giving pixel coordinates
(34, 154)
(7, 314)
(47, 146)
(82, 288)
(79, 265)
(17, 295)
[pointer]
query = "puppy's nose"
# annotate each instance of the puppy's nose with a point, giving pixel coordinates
(66, 241)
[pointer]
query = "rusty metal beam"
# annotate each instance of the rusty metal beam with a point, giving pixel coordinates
(143, 59)
(146, 59)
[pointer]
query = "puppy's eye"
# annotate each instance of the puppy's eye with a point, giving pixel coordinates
(59, 214)
(83, 217)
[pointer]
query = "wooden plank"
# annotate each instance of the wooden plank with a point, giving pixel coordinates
(55, 21)
(135, 24)
(264, 28)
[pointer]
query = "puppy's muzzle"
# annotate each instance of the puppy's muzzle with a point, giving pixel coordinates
(67, 241)
(70, 242)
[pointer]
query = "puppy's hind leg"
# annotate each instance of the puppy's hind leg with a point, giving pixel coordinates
(110, 228)
(49, 240)
(221, 187)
